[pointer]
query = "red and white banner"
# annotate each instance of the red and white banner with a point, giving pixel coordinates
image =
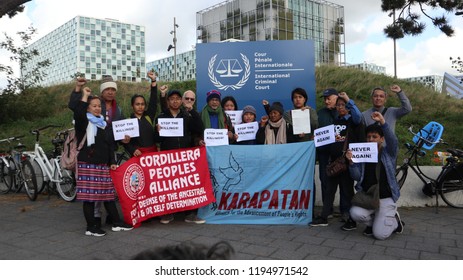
(164, 182)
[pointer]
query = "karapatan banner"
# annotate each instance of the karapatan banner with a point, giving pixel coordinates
(161, 183)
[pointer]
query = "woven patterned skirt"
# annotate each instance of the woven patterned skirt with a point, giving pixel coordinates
(94, 182)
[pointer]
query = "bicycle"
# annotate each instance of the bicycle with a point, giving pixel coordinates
(17, 171)
(53, 175)
(449, 183)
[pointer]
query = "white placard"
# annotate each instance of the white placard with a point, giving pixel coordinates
(215, 137)
(171, 127)
(125, 127)
(236, 117)
(324, 135)
(301, 121)
(246, 131)
(364, 152)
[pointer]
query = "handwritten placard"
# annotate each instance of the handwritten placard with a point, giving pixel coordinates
(171, 127)
(324, 135)
(246, 131)
(235, 116)
(215, 137)
(125, 127)
(364, 152)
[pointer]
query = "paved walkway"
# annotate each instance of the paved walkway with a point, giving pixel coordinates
(53, 229)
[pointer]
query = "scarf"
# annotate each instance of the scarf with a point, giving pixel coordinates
(270, 134)
(94, 123)
(206, 119)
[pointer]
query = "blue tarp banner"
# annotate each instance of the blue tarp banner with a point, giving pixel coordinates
(261, 184)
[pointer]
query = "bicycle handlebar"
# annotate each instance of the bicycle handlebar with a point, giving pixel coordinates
(36, 131)
(64, 132)
(11, 139)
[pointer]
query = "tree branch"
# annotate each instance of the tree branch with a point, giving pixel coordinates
(11, 7)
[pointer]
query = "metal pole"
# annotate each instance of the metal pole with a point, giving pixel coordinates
(175, 50)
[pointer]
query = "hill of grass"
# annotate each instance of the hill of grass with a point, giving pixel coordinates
(39, 107)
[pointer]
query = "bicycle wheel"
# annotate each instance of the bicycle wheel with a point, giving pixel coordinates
(39, 175)
(401, 175)
(451, 187)
(28, 179)
(5, 178)
(66, 184)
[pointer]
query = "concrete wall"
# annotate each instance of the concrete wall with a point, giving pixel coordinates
(410, 196)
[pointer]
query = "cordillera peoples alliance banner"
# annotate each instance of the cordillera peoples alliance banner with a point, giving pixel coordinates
(160, 183)
(261, 184)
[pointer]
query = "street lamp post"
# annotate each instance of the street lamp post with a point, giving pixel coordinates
(394, 40)
(174, 46)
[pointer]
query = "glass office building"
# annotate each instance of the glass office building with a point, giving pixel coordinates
(186, 66)
(95, 47)
(258, 20)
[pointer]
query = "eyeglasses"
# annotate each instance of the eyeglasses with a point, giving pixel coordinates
(189, 98)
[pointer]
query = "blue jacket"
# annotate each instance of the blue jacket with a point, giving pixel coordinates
(388, 158)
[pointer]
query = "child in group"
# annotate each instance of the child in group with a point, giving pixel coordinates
(248, 116)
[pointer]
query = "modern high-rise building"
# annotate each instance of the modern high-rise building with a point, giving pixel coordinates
(259, 20)
(95, 47)
(186, 66)
(369, 67)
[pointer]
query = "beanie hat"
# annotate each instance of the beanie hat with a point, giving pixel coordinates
(212, 94)
(300, 91)
(249, 109)
(276, 106)
(108, 83)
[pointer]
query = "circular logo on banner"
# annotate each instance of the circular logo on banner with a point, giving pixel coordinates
(134, 181)
(229, 68)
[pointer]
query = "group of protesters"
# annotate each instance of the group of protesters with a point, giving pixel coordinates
(93, 116)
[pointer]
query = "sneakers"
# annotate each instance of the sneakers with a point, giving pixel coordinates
(319, 222)
(192, 218)
(95, 231)
(349, 225)
(368, 231)
(121, 227)
(400, 224)
(167, 219)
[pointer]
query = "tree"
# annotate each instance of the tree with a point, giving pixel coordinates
(457, 63)
(408, 22)
(12, 7)
(21, 55)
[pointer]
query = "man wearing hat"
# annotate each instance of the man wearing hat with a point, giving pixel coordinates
(326, 116)
(191, 126)
(274, 129)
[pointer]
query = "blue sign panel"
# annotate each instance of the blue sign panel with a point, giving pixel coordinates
(261, 184)
(254, 71)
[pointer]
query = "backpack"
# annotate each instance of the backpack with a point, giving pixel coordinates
(70, 151)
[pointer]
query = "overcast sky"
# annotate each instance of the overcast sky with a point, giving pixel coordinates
(416, 56)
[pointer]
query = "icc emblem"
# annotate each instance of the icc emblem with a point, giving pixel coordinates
(229, 68)
(134, 181)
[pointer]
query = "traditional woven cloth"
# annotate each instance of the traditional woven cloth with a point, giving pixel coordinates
(94, 182)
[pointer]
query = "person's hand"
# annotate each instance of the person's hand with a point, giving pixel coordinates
(80, 82)
(113, 167)
(126, 139)
(158, 127)
(263, 121)
(164, 89)
(202, 143)
(152, 76)
(396, 89)
(305, 108)
(264, 102)
(137, 153)
(86, 91)
(378, 117)
(344, 96)
(349, 156)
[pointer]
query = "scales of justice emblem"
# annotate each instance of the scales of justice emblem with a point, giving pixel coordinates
(229, 68)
